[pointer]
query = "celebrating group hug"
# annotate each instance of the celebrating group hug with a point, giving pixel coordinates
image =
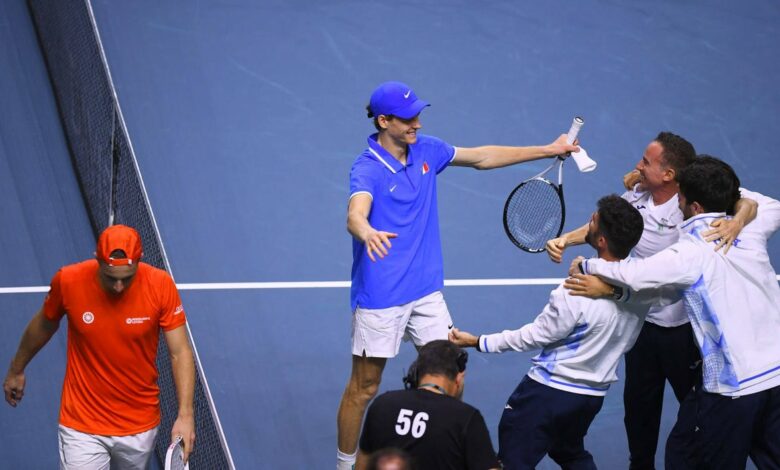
(681, 284)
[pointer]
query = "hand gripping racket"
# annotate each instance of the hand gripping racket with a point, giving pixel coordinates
(534, 211)
(174, 458)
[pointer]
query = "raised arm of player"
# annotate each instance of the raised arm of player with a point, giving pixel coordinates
(727, 230)
(183, 367)
(38, 332)
(496, 156)
(377, 242)
(556, 246)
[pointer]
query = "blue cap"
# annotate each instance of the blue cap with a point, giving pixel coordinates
(396, 99)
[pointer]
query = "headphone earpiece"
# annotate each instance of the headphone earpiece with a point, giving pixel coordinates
(463, 358)
(411, 381)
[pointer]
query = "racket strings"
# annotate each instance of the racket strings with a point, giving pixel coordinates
(534, 214)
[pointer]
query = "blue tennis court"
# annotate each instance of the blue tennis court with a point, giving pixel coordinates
(245, 118)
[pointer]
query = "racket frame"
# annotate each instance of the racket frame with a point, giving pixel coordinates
(170, 454)
(558, 190)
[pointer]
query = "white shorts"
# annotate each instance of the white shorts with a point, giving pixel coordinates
(378, 332)
(79, 450)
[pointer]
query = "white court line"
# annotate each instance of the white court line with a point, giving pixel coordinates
(312, 285)
(343, 284)
(318, 285)
(23, 290)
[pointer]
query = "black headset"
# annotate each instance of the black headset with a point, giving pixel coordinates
(412, 380)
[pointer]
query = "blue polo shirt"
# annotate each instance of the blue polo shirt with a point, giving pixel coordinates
(404, 202)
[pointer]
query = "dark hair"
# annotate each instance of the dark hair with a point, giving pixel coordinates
(678, 152)
(389, 455)
(710, 182)
(376, 118)
(439, 357)
(118, 254)
(371, 116)
(620, 223)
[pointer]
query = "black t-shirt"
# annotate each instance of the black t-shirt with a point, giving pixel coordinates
(439, 431)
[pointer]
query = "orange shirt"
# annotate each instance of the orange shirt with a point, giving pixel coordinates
(110, 383)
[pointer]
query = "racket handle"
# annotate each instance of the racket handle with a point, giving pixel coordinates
(576, 124)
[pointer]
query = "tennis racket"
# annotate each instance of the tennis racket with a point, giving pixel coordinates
(174, 458)
(534, 211)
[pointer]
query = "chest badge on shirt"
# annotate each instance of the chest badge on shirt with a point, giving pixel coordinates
(88, 317)
(425, 168)
(137, 320)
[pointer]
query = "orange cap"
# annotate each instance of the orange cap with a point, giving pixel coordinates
(119, 237)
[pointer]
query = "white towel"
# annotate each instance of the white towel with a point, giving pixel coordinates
(583, 161)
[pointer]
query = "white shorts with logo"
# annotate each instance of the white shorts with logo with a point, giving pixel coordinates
(79, 450)
(378, 332)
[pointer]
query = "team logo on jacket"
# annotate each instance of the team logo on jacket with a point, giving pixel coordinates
(88, 317)
(425, 168)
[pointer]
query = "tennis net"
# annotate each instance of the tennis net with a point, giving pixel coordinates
(103, 157)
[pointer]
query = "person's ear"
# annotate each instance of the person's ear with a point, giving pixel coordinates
(669, 174)
(601, 242)
(383, 121)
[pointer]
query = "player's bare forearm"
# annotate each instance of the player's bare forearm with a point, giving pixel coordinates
(463, 339)
(577, 236)
(377, 242)
(489, 157)
(38, 332)
(358, 226)
(745, 210)
(183, 367)
(556, 246)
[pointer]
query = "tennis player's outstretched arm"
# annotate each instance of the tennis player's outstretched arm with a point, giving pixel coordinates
(38, 332)
(556, 246)
(377, 242)
(183, 367)
(496, 156)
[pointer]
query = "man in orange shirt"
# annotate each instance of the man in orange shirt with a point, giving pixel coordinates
(116, 306)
